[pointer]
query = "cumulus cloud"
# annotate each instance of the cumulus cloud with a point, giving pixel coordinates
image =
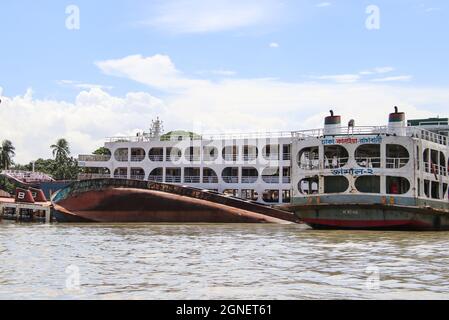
(204, 106)
(199, 16)
(33, 124)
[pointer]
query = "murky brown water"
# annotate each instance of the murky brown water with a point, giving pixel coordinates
(219, 262)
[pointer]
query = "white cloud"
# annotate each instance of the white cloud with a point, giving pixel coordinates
(199, 16)
(218, 72)
(340, 78)
(33, 124)
(226, 105)
(274, 45)
(84, 86)
(378, 70)
(324, 4)
(157, 71)
(395, 78)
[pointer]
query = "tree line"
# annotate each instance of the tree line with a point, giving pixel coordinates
(61, 167)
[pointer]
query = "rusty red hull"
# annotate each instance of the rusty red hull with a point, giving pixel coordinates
(122, 205)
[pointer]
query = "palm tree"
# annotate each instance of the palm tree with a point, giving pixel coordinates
(6, 154)
(61, 149)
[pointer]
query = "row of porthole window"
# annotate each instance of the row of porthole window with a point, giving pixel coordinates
(229, 153)
(363, 184)
(367, 156)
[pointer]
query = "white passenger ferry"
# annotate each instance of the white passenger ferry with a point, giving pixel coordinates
(384, 177)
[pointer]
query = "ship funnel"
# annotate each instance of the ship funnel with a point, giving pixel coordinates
(332, 124)
(396, 123)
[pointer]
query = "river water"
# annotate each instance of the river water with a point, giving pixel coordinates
(219, 262)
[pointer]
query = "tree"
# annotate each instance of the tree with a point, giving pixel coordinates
(102, 151)
(61, 150)
(6, 154)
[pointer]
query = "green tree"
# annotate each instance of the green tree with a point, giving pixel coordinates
(6, 154)
(102, 151)
(61, 150)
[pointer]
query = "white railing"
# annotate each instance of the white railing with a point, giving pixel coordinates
(94, 158)
(286, 179)
(211, 179)
(138, 158)
(249, 179)
(435, 169)
(27, 176)
(192, 158)
(172, 158)
(173, 179)
(192, 179)
(91, 176)
(310, 164)
(230, 179)
(368, 162)
(271, 179)
(137, 177)
(230, 157)
(249, 157)
(156, 157)
(286, 156)
(156, 178)
(120, 176)
(271, 156)
(334, 163)
(122, 158)
(396, 163)
(427, 135)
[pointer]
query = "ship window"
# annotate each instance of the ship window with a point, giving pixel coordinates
(209, 176)
(231, 192)
(230, 175)
(174, 154)
(397, 156)
(286, 196)
(419, 188)
(270, 175)
(397, 185)
(308, 158)
(192, 175)
(335, 156)
(121, 173)
(426, 160)
(156, 154)
(368, 156)
(250, 153)
(335, 184)
(442, 169)
(137, 174)
(121, 155)
(368, 184)
(249, 175)
(173, 175)
(230, 153)
(271, 196)
(445, 191)
(286, 152)
(271, 152)
(156, 175)
(309, 185)
(210, 153)
(427, 188)
(435, 190)
(137, 154)
(249, 194)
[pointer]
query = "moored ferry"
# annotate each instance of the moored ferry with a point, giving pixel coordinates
(383, 177)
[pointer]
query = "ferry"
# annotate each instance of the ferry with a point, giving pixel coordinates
(392, 177)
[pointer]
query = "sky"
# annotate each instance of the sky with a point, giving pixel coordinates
(87, 70)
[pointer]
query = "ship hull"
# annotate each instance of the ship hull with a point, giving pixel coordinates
(372, 217)
(112, 201)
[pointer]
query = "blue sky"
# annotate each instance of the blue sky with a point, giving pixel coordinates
(192, 54)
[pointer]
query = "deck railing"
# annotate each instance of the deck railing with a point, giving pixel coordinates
(396, 163)
(271, 179)
(94, 158)
(192, 179)
(138, 177)
(210, 179)
(152, 178)
(249, 179)
(156, 157)
(230, 179)
(173, 179)
(92, 176)
(137, 158)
